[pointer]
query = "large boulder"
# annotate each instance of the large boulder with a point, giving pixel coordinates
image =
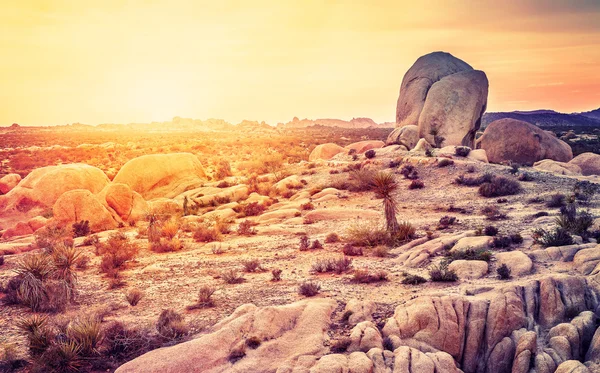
(80, 204)
(43, 186)
(162, 175)
(418, 80)
(453, 109)
(407, 136)
(362, 146)
(588, 162)
(445, 97)
(325, 151)
(510, 140)
(286, 333)
(9, 182)
(561, 168)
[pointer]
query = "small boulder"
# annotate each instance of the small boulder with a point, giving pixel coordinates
(8, 182)
(469, 269)
(325, 152)
(407, 136)
(362, 146)
(422, 146)
(519, 263)
(473, 243)
(561, 168)
(19, 229)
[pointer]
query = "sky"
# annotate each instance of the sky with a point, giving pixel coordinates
(122, 61)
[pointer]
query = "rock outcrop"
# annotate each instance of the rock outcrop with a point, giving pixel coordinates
(80, 204)
(126, 204)
(510, 140)
(445, 97)
(589, 163)
(43, 186)
(162, 175)
(285, 334)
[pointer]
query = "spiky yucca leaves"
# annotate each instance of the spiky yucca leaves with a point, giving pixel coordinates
(384, 186)
(32, 271)
(86, 333)
(62, 357)
(65, 258)
(39, 334)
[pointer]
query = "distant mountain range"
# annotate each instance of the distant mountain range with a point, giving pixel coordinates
(548, 118)
(352, 123)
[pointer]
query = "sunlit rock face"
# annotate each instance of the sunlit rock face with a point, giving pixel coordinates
(161, 175)
(511, 140)
(445, 97)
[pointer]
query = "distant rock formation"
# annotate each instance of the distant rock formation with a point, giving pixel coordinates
(510, 140)
(353, 123)
(445, 97)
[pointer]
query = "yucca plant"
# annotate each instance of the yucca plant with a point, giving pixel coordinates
(384, 186)
(39, 335)
(32, 271)
(86, 333)
(64, 356)
(65, 259)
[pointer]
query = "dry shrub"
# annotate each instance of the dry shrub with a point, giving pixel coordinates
(364, 276)
(232, 276)
(276, 274)
(416, 184)
(251, 265)
(337, 265)
(500, 186)
(134, 296)
(165, 245)
(309, 288)
(246, 228)
(117, 251)
(170, 325)
(365, 234)
(352, 250)
(204, 298)
(332, 238)
(205, 234)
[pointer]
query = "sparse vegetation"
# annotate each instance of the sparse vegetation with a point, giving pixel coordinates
(251, 265)
(499, 186)
(276, 274)
(557, 237)
(205, 300)
(232, 276)
(469, 254)
(134, 296)
(556, 200)
(503, 272)
(337, 265)
(410, 279)
(441, 273)
(332, 238)
(309, 288)
(81, 229)
(462, 151)
(364, 276)
(351, 250)
(445, 162)
(370, 154)
(416, 184)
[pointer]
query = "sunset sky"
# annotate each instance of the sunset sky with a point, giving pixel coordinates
(118, 61)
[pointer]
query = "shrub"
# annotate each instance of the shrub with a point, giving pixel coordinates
(81, 229)
(307, 206)
(246, 228)
(409, 172)
(366, 235)
(231, 276)
(170, 325)
(309, 289)
(49, 236)
(576, 222)
(361, 180)
(503, 272)
(490, 230)
(206, 234)
(116, 252)
(339, 265)
(276, 274)
(499, 186)
(370, 154)
(332, 238)
(410, 279)
(585, 190)
(251, 265)
(204, 298)
(339, 346)
(416, 184)
(350, 250)
(388, 344)
(469, 254)
(236, 354)
(446, 221)
(558, 237)
(1, 260)
(444, 162)
(223, 169)
(500, 242)
(304, 243)
(524, 176)
(556, 200)
(441, 273)
(86, 332)
(82, 262)
(381, 251)
(253, 209)
(474, 180)
(134, 296)
(253, 343)
(493, 213)
(364, 276)
(462, 151)
(125, 343)
(316, 245)
(516, 238)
